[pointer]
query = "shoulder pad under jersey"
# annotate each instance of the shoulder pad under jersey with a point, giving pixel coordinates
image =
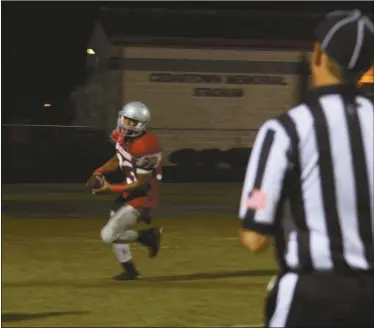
(145, 145)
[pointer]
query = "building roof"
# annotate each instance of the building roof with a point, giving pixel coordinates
(124, 24)
(202, 24)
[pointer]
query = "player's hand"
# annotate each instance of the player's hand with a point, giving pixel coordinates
(104, 185)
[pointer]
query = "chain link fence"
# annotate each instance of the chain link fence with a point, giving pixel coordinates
(55, 153)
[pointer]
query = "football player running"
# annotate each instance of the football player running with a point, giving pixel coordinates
(138, 155)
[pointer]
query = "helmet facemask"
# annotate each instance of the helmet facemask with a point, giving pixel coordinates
(130, 127)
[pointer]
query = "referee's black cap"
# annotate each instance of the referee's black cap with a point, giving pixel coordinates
(347, 37)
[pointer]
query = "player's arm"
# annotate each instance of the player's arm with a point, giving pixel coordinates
(110, 166)
(141, 179)
(144, 170)
(263, 185)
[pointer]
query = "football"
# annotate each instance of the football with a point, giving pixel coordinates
(98, 182)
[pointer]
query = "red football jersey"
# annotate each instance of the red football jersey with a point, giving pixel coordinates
(140, 155)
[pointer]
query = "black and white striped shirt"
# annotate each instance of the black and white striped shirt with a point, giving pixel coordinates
(309, 183)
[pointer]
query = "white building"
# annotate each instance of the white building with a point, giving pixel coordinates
(203, 93)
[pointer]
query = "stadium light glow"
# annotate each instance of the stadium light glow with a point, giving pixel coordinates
(91, 51)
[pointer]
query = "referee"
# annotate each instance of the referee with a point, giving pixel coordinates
(309, 184)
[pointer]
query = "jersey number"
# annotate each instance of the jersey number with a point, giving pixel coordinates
(148, 162)
(123, 162)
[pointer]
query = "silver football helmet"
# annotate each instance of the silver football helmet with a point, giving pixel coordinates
(137, 112)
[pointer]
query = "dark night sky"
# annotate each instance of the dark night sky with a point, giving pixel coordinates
(43, 52)
(44, 49)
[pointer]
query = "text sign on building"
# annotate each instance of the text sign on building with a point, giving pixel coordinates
(218, 92)
(185, 78)
(217, 79)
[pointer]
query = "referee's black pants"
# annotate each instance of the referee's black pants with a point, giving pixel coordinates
(321, 299)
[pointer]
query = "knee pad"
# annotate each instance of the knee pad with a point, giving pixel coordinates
(107, 235)
(122, 220)
(127, 216)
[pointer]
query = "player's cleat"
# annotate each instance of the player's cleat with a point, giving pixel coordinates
(155, 247)
(127, 276)
(151, 238)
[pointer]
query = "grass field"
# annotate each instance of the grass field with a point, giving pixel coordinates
(55, 273)
(170, 192)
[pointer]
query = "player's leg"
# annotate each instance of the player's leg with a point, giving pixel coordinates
(117, 231)
(124, 257)
(150, 237)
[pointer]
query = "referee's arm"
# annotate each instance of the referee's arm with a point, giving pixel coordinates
(263, 185)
